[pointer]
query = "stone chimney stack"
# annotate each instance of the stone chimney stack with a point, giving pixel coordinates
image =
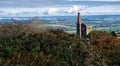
(79, 25)
(82, 29)
(78, 18)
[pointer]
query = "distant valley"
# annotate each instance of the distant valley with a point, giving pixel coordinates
(68, 23)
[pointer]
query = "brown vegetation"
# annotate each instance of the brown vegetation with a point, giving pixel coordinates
(107, 46)
(27, 45)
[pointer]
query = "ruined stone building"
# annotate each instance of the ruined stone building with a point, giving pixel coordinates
(82, 29)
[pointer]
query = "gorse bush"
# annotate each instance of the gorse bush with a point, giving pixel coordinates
(21, 46)
(108, 46)
(26, 45)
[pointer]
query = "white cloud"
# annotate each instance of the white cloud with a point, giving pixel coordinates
(53, 11)
(65, 10)
(19, 12)
(105, 9)
(76, 8)
(60, 11)
(73, 9)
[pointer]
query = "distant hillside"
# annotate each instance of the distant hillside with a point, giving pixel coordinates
(68, 23)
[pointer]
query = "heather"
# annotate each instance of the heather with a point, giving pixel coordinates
(28, 45)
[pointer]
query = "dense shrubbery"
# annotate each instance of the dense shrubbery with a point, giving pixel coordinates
(107, 46)
(23, 45)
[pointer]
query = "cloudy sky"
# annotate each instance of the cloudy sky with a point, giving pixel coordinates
(19, 8)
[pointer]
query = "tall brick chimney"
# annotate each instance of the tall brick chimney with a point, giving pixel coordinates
(78, 18)
(79, 25)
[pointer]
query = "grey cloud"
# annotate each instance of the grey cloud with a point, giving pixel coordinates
(51, 3)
